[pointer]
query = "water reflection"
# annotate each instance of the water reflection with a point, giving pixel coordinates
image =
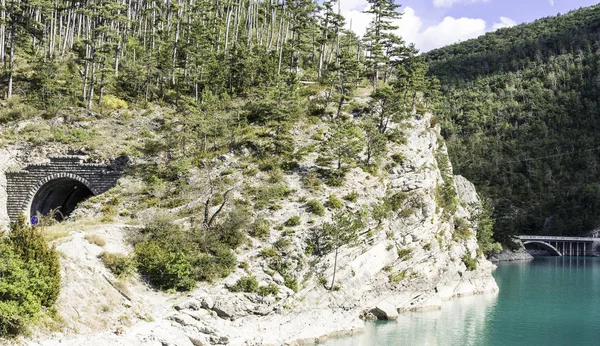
(547, 301)
(460, 322)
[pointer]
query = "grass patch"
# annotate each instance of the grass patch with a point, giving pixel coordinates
(95, 239)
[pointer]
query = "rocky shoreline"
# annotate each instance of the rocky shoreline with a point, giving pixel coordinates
(507, 255)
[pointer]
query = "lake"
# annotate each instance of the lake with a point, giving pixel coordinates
(547, 301)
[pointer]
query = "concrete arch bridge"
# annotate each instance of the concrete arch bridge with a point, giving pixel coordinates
(561, 246)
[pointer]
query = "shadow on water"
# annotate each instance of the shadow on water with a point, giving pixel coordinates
(547, 301)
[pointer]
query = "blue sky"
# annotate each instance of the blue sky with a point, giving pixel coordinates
(434, 23)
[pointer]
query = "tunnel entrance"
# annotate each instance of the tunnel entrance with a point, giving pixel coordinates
(60, 196)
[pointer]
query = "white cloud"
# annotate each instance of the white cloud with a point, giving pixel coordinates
(450, 3)
(450, 30)
(412, 29)
(504, 23)
(551, 2)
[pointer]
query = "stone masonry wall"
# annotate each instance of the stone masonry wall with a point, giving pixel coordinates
(23, 184)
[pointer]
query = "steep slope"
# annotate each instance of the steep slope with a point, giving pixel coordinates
(520, 114)
(421, 254)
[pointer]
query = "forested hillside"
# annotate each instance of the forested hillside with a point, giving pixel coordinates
(264, 144)
(60, 53)
(520, 113)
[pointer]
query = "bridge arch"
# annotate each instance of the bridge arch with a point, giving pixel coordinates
(551, 249)
(59, 192)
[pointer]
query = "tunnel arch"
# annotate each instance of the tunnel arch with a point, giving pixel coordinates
(551, 249)
(62, 191)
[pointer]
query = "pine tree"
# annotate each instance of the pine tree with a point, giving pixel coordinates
(382, 44)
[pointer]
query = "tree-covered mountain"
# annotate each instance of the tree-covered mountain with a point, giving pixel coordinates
(520, 111)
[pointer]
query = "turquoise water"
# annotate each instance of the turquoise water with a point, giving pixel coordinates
(547, 301)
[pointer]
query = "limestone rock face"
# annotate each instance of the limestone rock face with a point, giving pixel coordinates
(421, 253)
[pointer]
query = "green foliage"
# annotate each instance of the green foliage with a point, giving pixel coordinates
(260, 228)
(334, 202)
(396, 201)
(269, 289)
(269, 253)
(119, 264)
(111, 102)
(404, 254)
(352, 197)
(267, 195)
(397, 277)
(519, 113)
(30, 245)
(282, 244)
(470, 262)
(461, 229)
(173, 258)
(445, 194)
(316, 207)
(30, 274)
(344, 143)
(291, 283)
(485, 231)
(293, 221)
(165, 269)
(247, 284)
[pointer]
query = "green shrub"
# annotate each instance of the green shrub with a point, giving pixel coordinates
(31, 246)
(282, 244)
(397, 200)
(119, 264)
(291, 283)
(30, 273)
(269, 252)
(267, 290)
(268, 165)
(334, 202)
(293, 221)
(352, 197)
(261, 228)
(470, 263)
(246, 284)
(398, 158)
(387, 268)
(461, 229)
(397, 277)
(312, 181)
(112, 102)
(165, 269)
(265, 196)
(404, 253)
(316, 207)
(275, 176)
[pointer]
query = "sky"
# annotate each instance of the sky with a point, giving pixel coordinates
(431, 24)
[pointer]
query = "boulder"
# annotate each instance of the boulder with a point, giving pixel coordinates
(384, 311)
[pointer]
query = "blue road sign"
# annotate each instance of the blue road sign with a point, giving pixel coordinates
(34, 220)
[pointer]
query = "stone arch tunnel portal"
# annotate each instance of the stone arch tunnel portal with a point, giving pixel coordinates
(59, 197)
(58, 185)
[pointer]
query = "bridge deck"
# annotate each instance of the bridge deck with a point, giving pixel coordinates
(553, 238)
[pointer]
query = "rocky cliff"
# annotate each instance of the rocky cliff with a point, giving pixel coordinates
(422, 254)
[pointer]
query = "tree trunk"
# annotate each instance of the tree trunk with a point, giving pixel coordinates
(334, 268)
(92, 81)
(11, 61)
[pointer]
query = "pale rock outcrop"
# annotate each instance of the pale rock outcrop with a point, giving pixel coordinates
(412, 260)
